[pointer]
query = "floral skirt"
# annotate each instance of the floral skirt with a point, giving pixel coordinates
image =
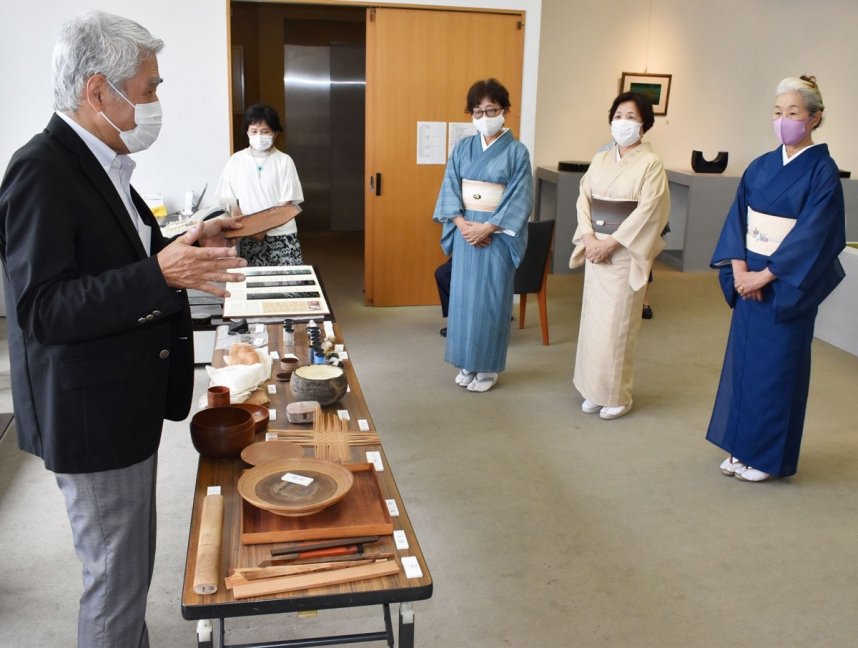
(271, 251)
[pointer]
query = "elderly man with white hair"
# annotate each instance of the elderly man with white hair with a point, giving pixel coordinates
(100, 336)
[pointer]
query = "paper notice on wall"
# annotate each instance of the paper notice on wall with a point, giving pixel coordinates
(431, 142)
(457, 131)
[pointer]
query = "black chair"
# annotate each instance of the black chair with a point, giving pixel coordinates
(532, 275)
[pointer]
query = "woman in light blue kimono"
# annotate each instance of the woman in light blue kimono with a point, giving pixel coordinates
(484, 204)
(778, 259)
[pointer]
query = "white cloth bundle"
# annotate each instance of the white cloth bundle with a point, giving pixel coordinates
(241, 379)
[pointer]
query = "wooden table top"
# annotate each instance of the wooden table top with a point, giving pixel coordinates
(226, 472)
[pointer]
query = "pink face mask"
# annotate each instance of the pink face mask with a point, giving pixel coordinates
(790, 131)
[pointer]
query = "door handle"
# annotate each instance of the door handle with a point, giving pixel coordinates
(375, 184)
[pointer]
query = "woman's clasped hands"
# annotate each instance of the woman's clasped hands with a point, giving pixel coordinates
(599, 251)
(750, 284)
(476, 234)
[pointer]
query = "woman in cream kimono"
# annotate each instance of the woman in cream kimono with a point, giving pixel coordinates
(623, 207)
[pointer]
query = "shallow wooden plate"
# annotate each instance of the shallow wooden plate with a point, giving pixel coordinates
(273, 450)
(264, 487)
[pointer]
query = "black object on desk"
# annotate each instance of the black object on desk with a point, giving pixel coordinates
(716, 165)
(573, 166)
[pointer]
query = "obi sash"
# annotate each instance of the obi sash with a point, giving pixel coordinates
(608, 215)
(766, 232)
(481, 196)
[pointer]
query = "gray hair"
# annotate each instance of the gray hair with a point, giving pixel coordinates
(97, 42)
(809, 91)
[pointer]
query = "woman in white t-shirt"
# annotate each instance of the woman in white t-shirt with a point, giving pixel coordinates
(260, 177)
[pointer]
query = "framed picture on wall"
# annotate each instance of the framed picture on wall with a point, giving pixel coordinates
(656, 87)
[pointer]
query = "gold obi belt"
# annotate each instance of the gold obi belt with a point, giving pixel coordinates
(481, 196)
(766, 232)
(608, 215)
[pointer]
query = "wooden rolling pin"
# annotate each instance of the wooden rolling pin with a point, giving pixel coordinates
(208, 545)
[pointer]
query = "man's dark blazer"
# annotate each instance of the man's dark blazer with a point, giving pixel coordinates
(101, 349)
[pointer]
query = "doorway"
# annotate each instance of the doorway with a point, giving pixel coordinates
(354, 86)
(308, 62)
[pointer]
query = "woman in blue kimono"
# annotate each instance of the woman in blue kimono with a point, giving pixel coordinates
(484, 204)
(778, 259)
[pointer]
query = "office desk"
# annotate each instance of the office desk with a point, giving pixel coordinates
(699, 203)
(555, 198)
(378, 591)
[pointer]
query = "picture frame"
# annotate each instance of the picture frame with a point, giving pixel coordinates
(656, 87)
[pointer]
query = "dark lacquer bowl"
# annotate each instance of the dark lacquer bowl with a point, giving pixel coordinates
(220, 432)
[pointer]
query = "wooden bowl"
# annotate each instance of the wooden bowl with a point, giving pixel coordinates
(264, 487)
(322, 383)
(273, 450)
(259, 414)
(220, 432)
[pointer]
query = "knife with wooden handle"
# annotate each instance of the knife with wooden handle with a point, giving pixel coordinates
(301, 550)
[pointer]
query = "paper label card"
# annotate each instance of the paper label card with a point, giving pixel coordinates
(374, 457)
(272, 389)
(412, 567)
(392, 508)
(301, 480)
(400, 539)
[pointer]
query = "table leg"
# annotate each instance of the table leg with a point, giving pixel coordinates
(204, 634)
(406, 625)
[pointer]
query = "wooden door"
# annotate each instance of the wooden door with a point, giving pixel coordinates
(420, 64)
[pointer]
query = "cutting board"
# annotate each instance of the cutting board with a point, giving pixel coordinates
(362, 512)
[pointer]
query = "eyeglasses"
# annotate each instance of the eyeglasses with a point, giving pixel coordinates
(488, 112)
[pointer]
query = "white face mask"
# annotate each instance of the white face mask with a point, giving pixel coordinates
(261, 142)
(488, 126)
(147, 116)
(625, 131)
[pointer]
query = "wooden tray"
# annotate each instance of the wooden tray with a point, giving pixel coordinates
(362, 512)
(264, 220)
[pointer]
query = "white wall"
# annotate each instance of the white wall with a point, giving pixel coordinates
(726, 57)
(194, 141)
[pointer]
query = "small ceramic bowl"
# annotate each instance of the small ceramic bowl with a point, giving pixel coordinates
(289, 364)
(221, 432)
